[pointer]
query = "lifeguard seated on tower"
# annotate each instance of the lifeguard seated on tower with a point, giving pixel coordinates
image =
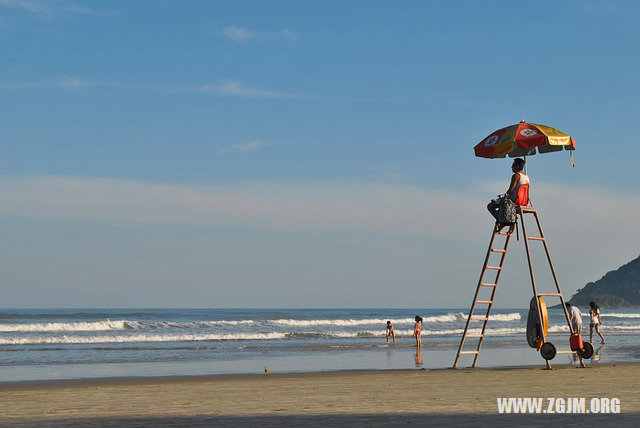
(518, 190)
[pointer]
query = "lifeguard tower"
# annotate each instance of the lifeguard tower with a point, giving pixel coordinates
(518, 140)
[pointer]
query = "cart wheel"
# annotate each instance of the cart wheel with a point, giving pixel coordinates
(587, 350)
(548, 351)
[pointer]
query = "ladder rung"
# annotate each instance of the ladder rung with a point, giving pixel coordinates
(527, 209)
(501, 233)
(498, 250)
(550, 294)
(476, 318)
(484, 301)
(474, 335)
(493, 267)
(535, 238)
(484, 284)
(468, 352)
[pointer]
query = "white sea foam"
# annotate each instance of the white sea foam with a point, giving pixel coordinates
(110, 325)
(337, 322)
(449, 317)
(113, 325)
(489, 331)
(137, 338)
(459, 316)
(511, 331)
(156, 337)
(620, 328)
(65, 326)
(617, 315)
(514, 316)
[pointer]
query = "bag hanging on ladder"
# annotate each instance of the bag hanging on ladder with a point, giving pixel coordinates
(506, 211)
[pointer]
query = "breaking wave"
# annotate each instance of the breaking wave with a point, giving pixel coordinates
(380, 333)
(617, 315)
(449, 317)
(136, 338)
(113, 325)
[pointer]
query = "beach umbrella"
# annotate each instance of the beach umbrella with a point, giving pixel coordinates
(524, 139)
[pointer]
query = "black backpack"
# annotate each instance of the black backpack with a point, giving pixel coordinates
(506, 211)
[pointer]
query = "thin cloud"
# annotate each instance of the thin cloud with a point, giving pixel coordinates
(235, 88)
(26, 6)
(372, 206)
(73, 82)
(332, 205)
(49, 9)
(394, 211)
(375, 205)
(243, 147)
(229, 88)
(62, 82)
(244, 35)
(237, 34)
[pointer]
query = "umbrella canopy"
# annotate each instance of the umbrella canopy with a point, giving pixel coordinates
(522, 139)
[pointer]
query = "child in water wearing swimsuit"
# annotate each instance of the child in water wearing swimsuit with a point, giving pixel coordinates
(417, 331)
(390, 332)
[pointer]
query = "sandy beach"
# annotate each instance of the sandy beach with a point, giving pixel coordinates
(318, 399)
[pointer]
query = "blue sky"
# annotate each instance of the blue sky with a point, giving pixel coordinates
(301, 153)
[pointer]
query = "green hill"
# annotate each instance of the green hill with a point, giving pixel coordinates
(616, 289)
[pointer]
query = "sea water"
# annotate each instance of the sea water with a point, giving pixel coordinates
(40, 344)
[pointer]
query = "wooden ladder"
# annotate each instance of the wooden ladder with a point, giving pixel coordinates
(521, 210)
(482, 282)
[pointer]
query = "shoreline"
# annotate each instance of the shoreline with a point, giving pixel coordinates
(366, 397)
(376, 359)
(95, 381)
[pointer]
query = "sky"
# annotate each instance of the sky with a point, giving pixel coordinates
(305, 154)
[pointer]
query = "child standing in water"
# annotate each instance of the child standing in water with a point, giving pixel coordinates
(596, 322)
(417, 331)
(390, 332)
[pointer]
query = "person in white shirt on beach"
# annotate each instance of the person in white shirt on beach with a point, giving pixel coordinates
(575, 317)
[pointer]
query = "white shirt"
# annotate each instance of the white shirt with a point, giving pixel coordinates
(575, 315)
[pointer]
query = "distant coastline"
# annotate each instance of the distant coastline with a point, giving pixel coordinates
(617, 289)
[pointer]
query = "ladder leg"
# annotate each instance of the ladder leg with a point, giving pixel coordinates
(490, 305)
(555, 280)
(533, 279)
(553, 272)
(475, 297)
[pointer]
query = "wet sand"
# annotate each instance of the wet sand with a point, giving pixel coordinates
(360, 398)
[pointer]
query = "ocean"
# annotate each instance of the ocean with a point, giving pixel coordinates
(44, 344)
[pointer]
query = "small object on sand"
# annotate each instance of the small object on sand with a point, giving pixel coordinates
(266, 371)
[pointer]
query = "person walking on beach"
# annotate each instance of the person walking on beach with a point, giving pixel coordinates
(575, 317)
(390, 332)
(596, 322)
(417, 331)
(518, 180)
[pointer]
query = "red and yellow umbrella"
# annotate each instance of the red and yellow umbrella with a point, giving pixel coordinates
(522, 139)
